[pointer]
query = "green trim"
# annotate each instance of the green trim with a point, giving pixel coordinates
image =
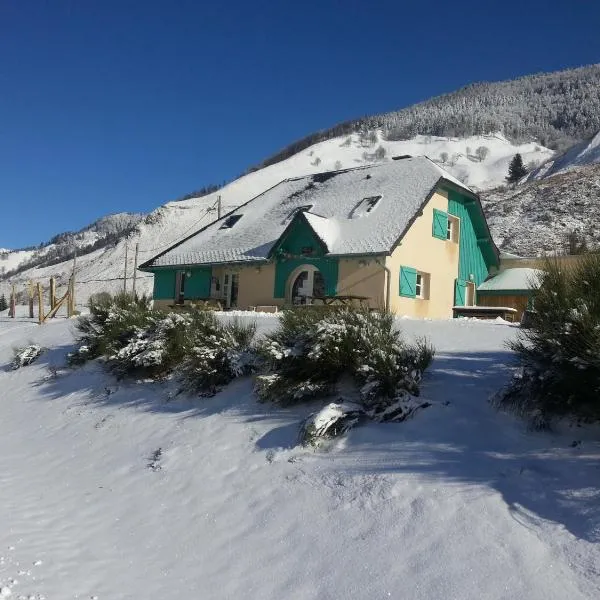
(439, 226)
(408, 282)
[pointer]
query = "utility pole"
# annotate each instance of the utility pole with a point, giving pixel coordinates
(218, 207)
(135, 263)
(125, 271)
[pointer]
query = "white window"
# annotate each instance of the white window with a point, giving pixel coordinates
(422, 286)
(419, 286)
(452, 229)
(365, 206)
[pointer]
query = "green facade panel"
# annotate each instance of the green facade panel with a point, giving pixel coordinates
(472, 261)
(197, 283)
(164, 285)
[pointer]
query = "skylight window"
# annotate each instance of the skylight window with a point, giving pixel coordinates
(365, 206)
(230, 221)
(296, 210)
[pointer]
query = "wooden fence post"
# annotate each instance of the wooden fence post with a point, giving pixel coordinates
(40, 303)
(70, 309)
(52, 293)
(31, 295)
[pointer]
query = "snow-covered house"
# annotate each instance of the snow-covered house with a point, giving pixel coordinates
(404, 235)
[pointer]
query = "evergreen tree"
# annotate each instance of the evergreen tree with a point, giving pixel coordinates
(3, 303)
(516, 169)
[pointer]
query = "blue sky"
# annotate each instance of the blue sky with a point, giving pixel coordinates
(123, 105)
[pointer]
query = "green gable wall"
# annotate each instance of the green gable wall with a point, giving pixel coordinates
(196, 286)
(329, 268)
(299, 235)
(476, 257)
(164, 285)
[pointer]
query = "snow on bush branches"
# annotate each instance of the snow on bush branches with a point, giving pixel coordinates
(25, 356)
(134, 340)
(560, 353)
(314, 351)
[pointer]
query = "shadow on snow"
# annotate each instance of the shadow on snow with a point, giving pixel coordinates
(460, 439)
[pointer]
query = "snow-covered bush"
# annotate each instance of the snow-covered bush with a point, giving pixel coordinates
(560, 351)
(315, 349)
(113, 321)
(216, 353)
(336, 419)
(136, 341)
(26, 355)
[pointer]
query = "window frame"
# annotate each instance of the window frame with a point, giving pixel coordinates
(230, 221)
(453, 229)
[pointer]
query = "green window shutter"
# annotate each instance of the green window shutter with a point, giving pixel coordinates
(408, 282)
(440, 224)
(459, 292)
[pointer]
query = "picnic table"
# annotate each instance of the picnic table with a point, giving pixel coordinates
(346, 300)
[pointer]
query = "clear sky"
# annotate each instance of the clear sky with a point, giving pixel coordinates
(122, 105)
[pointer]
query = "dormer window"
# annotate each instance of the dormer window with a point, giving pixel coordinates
(230, 221)
(296, 210)
(365, 206)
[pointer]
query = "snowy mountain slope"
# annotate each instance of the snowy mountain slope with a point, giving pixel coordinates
(537, 216)
(582, 154)
(122, 490)
(557, 109)
(103, 269)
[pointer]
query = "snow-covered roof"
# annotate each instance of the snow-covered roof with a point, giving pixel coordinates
(518, 279)
(404, 186)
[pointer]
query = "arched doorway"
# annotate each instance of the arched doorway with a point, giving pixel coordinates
(304, 284)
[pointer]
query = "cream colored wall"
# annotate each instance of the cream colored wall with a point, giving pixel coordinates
(439, 258)
(362, 278)
(256, 286)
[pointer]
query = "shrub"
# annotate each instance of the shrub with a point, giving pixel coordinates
(215, 353)
(112, 322)
(314, 349)
(135, 341)
(560, 352)
(26, 355)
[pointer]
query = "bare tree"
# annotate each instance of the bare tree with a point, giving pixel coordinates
(482, 152)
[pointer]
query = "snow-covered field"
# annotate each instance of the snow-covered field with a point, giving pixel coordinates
(116, 490)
